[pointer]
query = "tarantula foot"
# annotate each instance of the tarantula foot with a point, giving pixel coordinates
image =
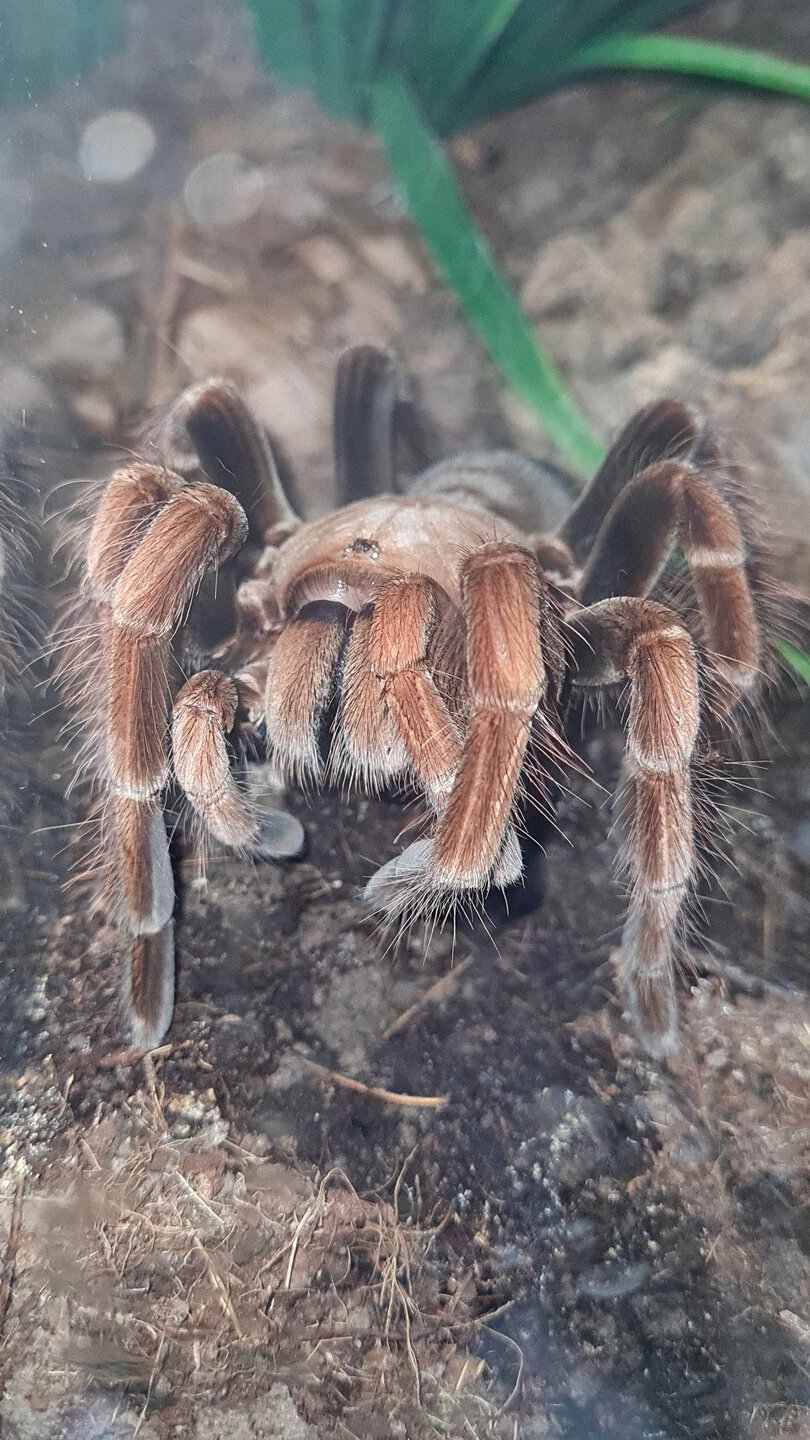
(413, 884)
(400, 887)
(651, 1003)
(150, 987)
(281, 836)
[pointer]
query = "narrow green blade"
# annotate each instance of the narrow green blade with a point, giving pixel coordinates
(335, 55)
(531, 54)
(435, 203)
(285, 42)
(467, 36)
(674, 53)
(798, 660)
(375, 19)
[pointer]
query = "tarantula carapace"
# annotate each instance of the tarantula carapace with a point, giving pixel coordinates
(429, 638)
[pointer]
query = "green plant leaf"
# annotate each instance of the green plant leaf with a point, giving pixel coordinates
(466, 36)
(682, 56)
(284, 39)
(435, 203)
(460, 58)
(798, 660)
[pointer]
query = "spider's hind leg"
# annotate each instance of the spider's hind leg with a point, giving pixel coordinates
(363, 423)
(671, 503)
(377, 425)
(209, 433)
(665, 430)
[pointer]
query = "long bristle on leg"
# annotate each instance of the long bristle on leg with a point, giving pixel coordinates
(639, 641)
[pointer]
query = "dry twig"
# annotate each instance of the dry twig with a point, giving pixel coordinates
(434, 992)
(392, 1097)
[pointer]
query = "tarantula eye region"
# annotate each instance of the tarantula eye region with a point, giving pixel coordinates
(361, 546)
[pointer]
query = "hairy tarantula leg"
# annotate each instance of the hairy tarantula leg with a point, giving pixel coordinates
(664, 430)
(504, 599)
(666, 503)
(362, 424)
(147, 889)
(637, 640)
(210, 434)
(403, 622)
(233, 451)
(197, 527)
(204, 713)
(302, 680)
(149, 986)
(367, 747)
(130, 500)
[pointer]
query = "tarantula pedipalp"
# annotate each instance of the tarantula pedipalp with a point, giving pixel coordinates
(422, 637)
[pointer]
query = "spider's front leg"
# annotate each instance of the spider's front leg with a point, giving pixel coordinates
(402, 627)
(142, 575)
(165, 551)
(511, 640)
(639, 641)
(512, 663)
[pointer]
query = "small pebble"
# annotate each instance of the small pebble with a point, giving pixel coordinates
(84, 341)
(116, 145)
(610, 1281)
(223, 190)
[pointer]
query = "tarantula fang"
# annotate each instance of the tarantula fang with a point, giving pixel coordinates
(429, 635)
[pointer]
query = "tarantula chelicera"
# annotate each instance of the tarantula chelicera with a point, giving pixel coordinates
(429, 637)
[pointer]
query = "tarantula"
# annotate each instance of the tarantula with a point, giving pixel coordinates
(430, 637)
